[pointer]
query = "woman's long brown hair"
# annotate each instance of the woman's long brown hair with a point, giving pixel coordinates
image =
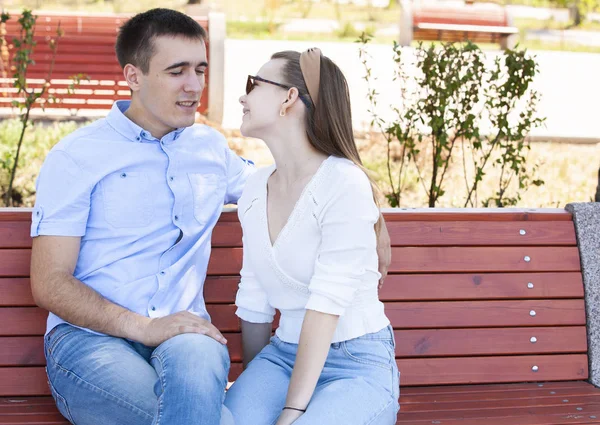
(329, 123)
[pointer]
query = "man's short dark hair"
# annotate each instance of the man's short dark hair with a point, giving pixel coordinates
(135, 42)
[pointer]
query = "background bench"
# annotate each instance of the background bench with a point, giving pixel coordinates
(88, 47)
(487, 306)
(478, 23)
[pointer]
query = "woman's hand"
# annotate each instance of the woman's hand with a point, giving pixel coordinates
(288, 417)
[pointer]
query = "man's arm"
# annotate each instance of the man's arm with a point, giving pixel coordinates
(54, 288)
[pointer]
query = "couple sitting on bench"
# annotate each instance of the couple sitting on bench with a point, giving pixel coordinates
(122, 230)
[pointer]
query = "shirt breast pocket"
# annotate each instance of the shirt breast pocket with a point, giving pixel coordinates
(208, 192)
(127, 199)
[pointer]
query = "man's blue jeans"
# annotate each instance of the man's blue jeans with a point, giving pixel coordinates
(98, 379)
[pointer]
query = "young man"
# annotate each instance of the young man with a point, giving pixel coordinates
(122, 225)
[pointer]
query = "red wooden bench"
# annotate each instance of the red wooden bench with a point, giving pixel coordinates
(88, 47)
(488, 311)
(478, 23)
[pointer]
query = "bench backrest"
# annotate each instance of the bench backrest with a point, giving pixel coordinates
(87, 47)
(474, 297)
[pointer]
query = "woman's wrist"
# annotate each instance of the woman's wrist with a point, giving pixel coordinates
(294, 408)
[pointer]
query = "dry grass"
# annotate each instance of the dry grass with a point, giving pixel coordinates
(568, 169)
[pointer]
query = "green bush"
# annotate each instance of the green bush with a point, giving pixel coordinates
(455, 103)
(39, 139)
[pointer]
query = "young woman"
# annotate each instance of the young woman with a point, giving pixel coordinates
(310, 252)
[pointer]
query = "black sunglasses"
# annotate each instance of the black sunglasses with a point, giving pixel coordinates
(251, 83)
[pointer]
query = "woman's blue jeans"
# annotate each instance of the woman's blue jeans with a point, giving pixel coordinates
(359, 384)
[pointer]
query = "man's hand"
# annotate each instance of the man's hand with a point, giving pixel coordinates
(288, 417)
(161, 329)
(384, 251)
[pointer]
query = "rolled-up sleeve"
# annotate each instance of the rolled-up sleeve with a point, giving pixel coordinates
(63, 192)
(347, 255)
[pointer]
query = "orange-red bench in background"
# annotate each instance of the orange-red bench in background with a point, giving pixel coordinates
(478, 23)
(88, 47)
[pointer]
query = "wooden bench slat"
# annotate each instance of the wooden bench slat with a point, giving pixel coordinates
(534, 415)
(460, 233)
(482, 286)
(32, 381)
(412, 396)
(15, 234)
(403, 315)
(22, 351)
(460, 259)
(468, 28)
(479, 233)
(28, 350)
(465, 370)
(476, 214)
(16, 291)
(15, 262)
(9, 402)
(578, 387)
(507, 402)
(501, 341)
(227, 261)
(41, 419)
(36, 409)
(423, 402)
(478, 314)
(23, 381)
(401, 214)
(22, 321)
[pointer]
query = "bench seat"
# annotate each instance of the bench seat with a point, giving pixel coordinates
(553, 403)
(487, 307)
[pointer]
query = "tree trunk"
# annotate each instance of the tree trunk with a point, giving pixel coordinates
(597, 197)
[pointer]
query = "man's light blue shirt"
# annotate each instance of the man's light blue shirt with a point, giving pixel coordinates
(144, 209)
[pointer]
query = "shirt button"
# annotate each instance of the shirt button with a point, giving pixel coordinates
(138, 138)
(153, 308)
(176, 218)
(162, 273)
(123, 175)
(171, 178)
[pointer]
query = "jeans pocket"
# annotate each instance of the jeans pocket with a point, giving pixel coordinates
(373, 352)
(61, 403)
(55, 336)
(209, 195)
(128, 199)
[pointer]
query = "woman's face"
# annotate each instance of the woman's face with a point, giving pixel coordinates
(262, 106)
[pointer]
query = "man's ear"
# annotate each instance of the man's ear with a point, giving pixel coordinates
(132, 75)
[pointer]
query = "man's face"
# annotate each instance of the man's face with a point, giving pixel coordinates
(169, 94)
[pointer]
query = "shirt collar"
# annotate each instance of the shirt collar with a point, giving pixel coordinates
(131, 131)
